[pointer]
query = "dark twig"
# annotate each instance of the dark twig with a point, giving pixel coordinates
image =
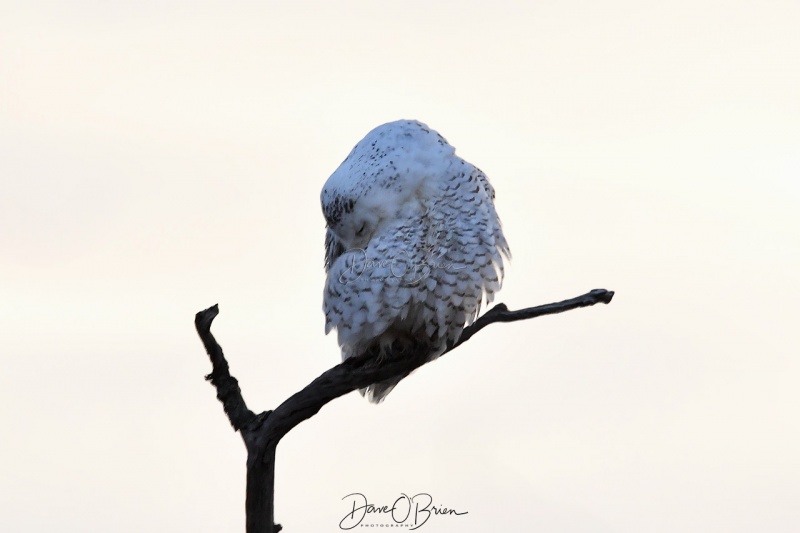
(500, 313)
(228, 391)
(261, 433)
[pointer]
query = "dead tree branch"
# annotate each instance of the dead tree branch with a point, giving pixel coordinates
(261, 433)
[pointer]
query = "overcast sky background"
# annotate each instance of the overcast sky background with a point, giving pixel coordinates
(159, 157)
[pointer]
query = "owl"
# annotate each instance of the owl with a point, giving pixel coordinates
(413, 246)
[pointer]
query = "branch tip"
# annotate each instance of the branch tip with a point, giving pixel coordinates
(602, 295)
(203, 319)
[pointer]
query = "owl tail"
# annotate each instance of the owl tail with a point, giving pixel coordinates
(377, 392)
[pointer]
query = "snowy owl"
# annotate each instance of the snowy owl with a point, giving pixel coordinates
(413, 245)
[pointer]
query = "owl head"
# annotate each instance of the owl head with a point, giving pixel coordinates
(395, 168)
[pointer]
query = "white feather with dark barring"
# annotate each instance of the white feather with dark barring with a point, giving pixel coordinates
(413, 247)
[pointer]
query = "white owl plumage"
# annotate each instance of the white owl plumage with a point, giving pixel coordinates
(413, 245)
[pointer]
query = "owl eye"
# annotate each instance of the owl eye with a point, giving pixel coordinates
(361, 229)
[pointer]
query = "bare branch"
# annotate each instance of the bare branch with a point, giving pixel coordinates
(228, 391)
(359, 372)
(261, 433)
(500, 312)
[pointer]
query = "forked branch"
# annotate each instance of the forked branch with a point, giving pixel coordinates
(261, 433)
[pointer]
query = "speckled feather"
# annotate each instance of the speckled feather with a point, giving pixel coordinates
(413, 245)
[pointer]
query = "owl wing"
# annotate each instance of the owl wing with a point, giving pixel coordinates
(464, 249)
(368, 291)
(425, 275)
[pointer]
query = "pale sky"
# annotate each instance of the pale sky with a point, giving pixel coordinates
(159, 157)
